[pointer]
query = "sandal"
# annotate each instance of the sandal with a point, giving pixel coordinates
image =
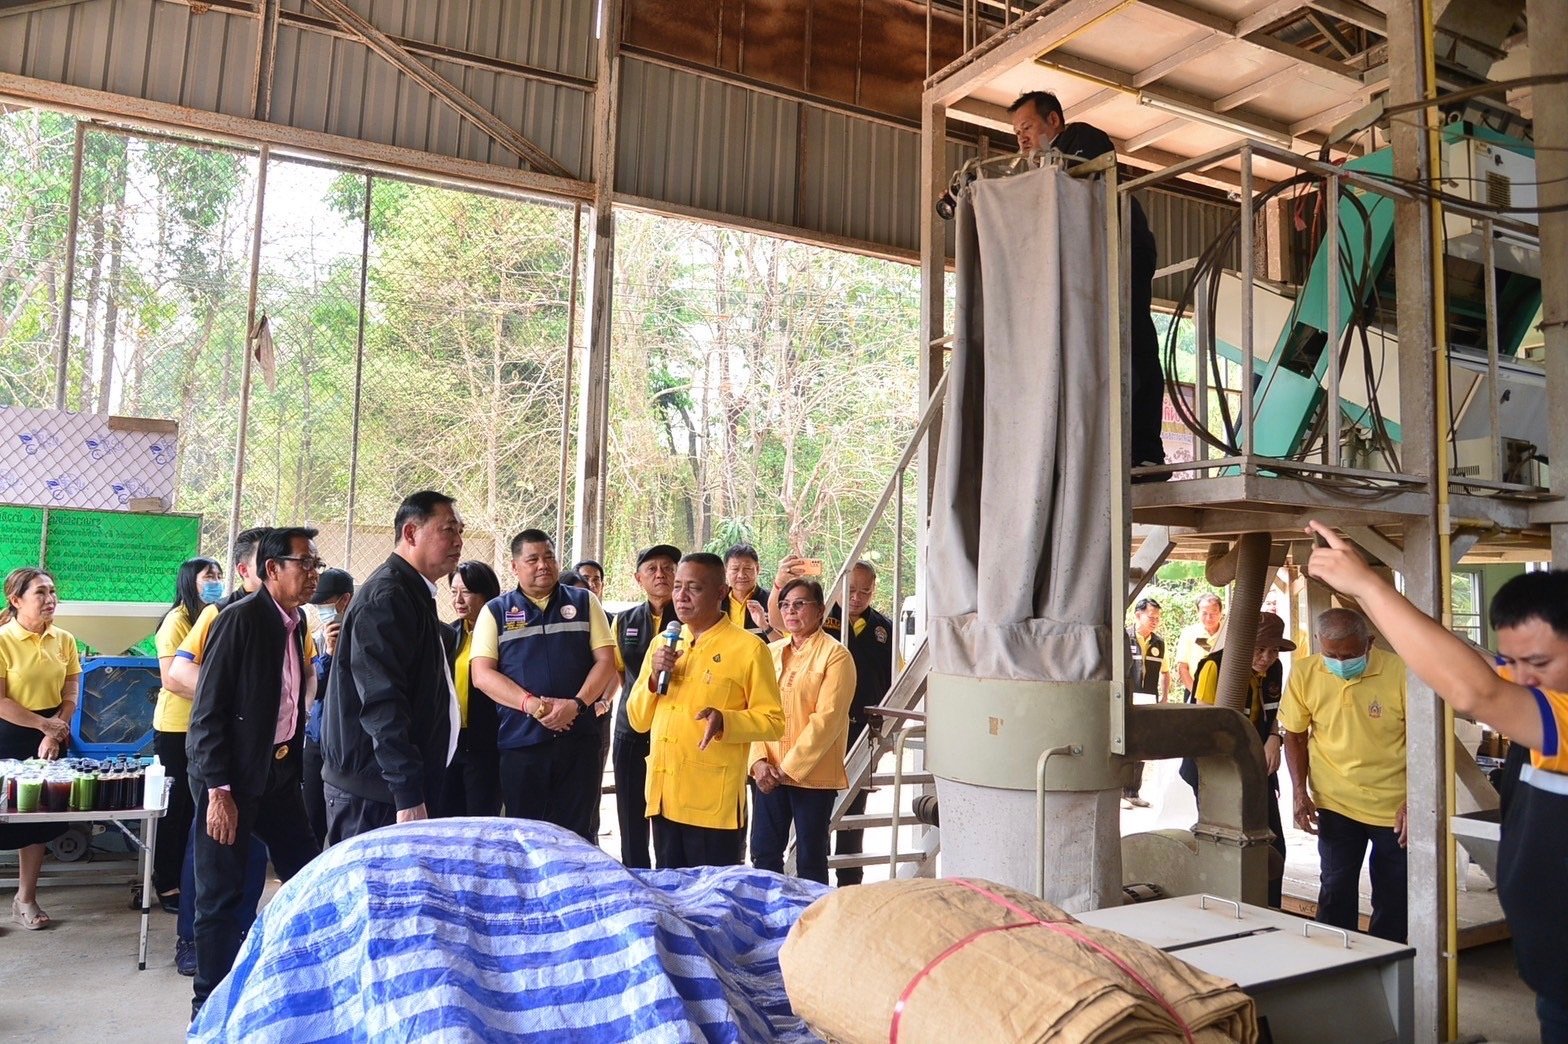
(28, 915)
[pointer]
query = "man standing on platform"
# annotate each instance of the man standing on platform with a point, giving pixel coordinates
(1151, 677)
(544, 653)
(635, 632)
(247, 721)
(389, 727)
(704, 705)
(1344, 721)
(1199, 640)
(1039, 123)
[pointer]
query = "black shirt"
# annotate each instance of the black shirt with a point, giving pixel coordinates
(1087, 141)
(872, 651)
(635, 632)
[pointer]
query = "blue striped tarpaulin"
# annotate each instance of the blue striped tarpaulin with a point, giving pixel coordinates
(500, 929)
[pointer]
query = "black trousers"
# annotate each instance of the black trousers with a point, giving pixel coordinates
(311, 790)
(772, 815)
(1342, 844)
(606, 726)
(473, 784)
(349, 815)
(277, 817)
(1131, 789)
(678, 846)
(1147, 379)
(174, 833)
(556, 781)
(852, 842)
(630, 761)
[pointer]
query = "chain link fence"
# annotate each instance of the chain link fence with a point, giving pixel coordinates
(415, 335)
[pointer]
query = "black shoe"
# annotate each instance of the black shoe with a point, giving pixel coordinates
(170, 902)
(1157, 476)
(185, 958)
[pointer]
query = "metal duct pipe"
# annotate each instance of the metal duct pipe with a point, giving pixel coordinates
(1232, 831)
(1241, 629)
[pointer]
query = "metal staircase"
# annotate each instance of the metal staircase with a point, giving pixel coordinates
(872, 764)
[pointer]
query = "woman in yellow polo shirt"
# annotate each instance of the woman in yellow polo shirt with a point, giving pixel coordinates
(198, 584)
(39, 672)
(798, 776)
(473, 780)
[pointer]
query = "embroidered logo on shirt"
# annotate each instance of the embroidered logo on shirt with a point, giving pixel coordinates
(631, 634)
(716, 657)
(515, 613)
(568, 612)
(1374, 709)
(881, 635)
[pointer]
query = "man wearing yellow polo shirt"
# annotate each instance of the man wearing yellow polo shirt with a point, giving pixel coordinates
(1344, 721)
(721, 695)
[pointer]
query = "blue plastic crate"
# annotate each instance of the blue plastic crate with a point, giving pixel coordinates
(114, 709)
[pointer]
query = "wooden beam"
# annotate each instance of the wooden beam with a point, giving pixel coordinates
(1041, 30)
(443, 89)
(1331, 34)
(22, 7)
(1249, 30)
(1242, 95)
(1354, 12)
(1154, 134)
(1104, 96)
(96, 105)
(1204, 45)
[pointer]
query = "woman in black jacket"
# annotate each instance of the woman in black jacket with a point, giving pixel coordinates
(473, 780)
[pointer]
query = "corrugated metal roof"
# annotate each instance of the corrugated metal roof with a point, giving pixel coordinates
(685, 139)
(1184, 227)
(697, 142)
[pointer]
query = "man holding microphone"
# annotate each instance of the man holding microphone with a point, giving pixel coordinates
(704, 698)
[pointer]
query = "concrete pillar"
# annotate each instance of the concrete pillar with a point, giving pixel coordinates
(1549, 57)
(1424, 721)
(984, 741)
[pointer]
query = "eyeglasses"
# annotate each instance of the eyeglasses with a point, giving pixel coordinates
(796, 606)
(310, 565)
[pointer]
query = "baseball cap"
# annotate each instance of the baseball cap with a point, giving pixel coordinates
(333, 583)
(669, 551)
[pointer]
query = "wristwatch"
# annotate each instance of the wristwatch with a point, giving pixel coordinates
(581, 706)
(542, 709)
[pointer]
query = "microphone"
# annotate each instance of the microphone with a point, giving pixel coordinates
(672, 634)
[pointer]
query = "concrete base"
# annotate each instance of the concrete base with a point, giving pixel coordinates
(990, 833)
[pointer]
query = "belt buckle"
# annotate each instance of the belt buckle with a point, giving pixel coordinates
(281, 753)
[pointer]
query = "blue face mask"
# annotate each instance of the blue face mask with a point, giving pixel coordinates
(326, 614)
(212, 591)
(1348, 670)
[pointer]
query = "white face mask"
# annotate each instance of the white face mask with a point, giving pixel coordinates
(326, 614)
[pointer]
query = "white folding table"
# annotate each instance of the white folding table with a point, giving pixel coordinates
(148, 817)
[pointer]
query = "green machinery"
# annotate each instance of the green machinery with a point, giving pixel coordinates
(1290, 383)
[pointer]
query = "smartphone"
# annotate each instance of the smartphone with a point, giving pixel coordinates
(809, 567)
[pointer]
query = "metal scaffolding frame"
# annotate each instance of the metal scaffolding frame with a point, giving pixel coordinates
(1245, 493)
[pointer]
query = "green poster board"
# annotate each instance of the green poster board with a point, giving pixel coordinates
(21, 537)
(117, 556)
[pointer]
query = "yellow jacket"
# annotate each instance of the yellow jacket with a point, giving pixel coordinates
(725, 668)
(816, 686)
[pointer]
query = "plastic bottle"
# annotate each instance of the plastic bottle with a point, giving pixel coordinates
(152, 792)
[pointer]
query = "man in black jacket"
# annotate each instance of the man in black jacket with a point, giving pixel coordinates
(389, 727)
(1039, 124)
(635, 632)
(244, 745)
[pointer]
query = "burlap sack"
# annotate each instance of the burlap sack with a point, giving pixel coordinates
(857, 951)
